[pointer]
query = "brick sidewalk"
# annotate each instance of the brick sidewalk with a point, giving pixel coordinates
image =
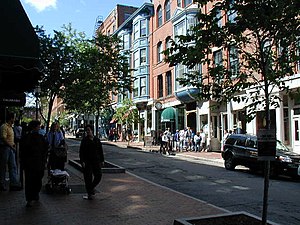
(122, 199)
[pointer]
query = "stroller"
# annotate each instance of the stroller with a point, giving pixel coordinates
(58, 182)
(57, 176)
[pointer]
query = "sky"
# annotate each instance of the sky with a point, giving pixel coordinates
(82, 14)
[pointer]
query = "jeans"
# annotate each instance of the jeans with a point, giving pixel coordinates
(7, 157)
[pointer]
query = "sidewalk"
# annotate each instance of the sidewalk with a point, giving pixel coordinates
(122, 199)
(210, 156)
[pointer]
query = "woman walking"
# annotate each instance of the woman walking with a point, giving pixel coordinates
(91, 159)
(56, 139)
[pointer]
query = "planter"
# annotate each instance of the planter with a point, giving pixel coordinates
(235, 218)
(108, 167)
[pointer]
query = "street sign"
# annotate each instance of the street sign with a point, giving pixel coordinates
(266, 144)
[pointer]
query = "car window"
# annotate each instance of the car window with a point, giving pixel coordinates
(251, 143)
(230, 140)
(281, 147)
(240, 141)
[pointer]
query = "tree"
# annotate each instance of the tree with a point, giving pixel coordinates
(101, 71)
(127, 114)
(263, 38)
(58, 55)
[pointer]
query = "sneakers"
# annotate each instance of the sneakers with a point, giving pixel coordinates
(87, 197)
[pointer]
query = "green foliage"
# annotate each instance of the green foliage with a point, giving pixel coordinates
(265, 36)
(101, 70)
(127, 113)
(80, 71)
(58, 55)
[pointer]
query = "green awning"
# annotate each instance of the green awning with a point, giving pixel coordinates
(168, 115)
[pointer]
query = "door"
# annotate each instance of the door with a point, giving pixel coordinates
(296, 134)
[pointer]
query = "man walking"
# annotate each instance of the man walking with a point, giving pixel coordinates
(8, 155)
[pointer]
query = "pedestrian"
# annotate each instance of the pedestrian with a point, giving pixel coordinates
(203, 141)
(176, 140)
(169, 142)
(33, 156)
(17, 137)
(56, 141)
(181, 140)
(8, 155)
(42, 131)
(197, 140)
(188, 135)
(91, 159)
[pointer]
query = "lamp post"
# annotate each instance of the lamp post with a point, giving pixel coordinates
(37, 90)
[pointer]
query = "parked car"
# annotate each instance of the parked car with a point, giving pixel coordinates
(241, 149)
(79, 133)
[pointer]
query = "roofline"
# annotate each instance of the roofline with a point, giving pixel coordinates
(146, 4)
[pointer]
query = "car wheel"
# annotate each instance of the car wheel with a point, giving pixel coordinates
(229, 163)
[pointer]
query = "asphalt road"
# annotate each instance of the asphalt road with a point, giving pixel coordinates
(237, 190)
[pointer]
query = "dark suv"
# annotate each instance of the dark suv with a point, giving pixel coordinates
(241, 149)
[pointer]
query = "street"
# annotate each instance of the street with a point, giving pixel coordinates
(236, 190)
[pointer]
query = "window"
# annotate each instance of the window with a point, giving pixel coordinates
(219, 17)
(160, 86)
(179, 3)
(191, 22)
(179, 74)
(179, 30)
(135, 59)
(218, 58)
(136, 87)
(169, 83)
(143, 28)
(267, 50)
(143, 86)
(187, 2)
(168, 42)
(136, 31)
(233, 61)
(126, 43)
(159, 52)
(159, 16)
(143, 56)
(232, 14)
(167, 10)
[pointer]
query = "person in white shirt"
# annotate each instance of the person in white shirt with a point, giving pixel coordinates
(203, 141)
(197, 140)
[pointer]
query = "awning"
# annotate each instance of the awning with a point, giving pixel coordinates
(20, 67)
(168, 115)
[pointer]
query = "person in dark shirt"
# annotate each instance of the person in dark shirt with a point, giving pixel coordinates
(33, 155)
(91, 159)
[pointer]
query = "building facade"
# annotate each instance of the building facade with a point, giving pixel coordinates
(168, 104)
